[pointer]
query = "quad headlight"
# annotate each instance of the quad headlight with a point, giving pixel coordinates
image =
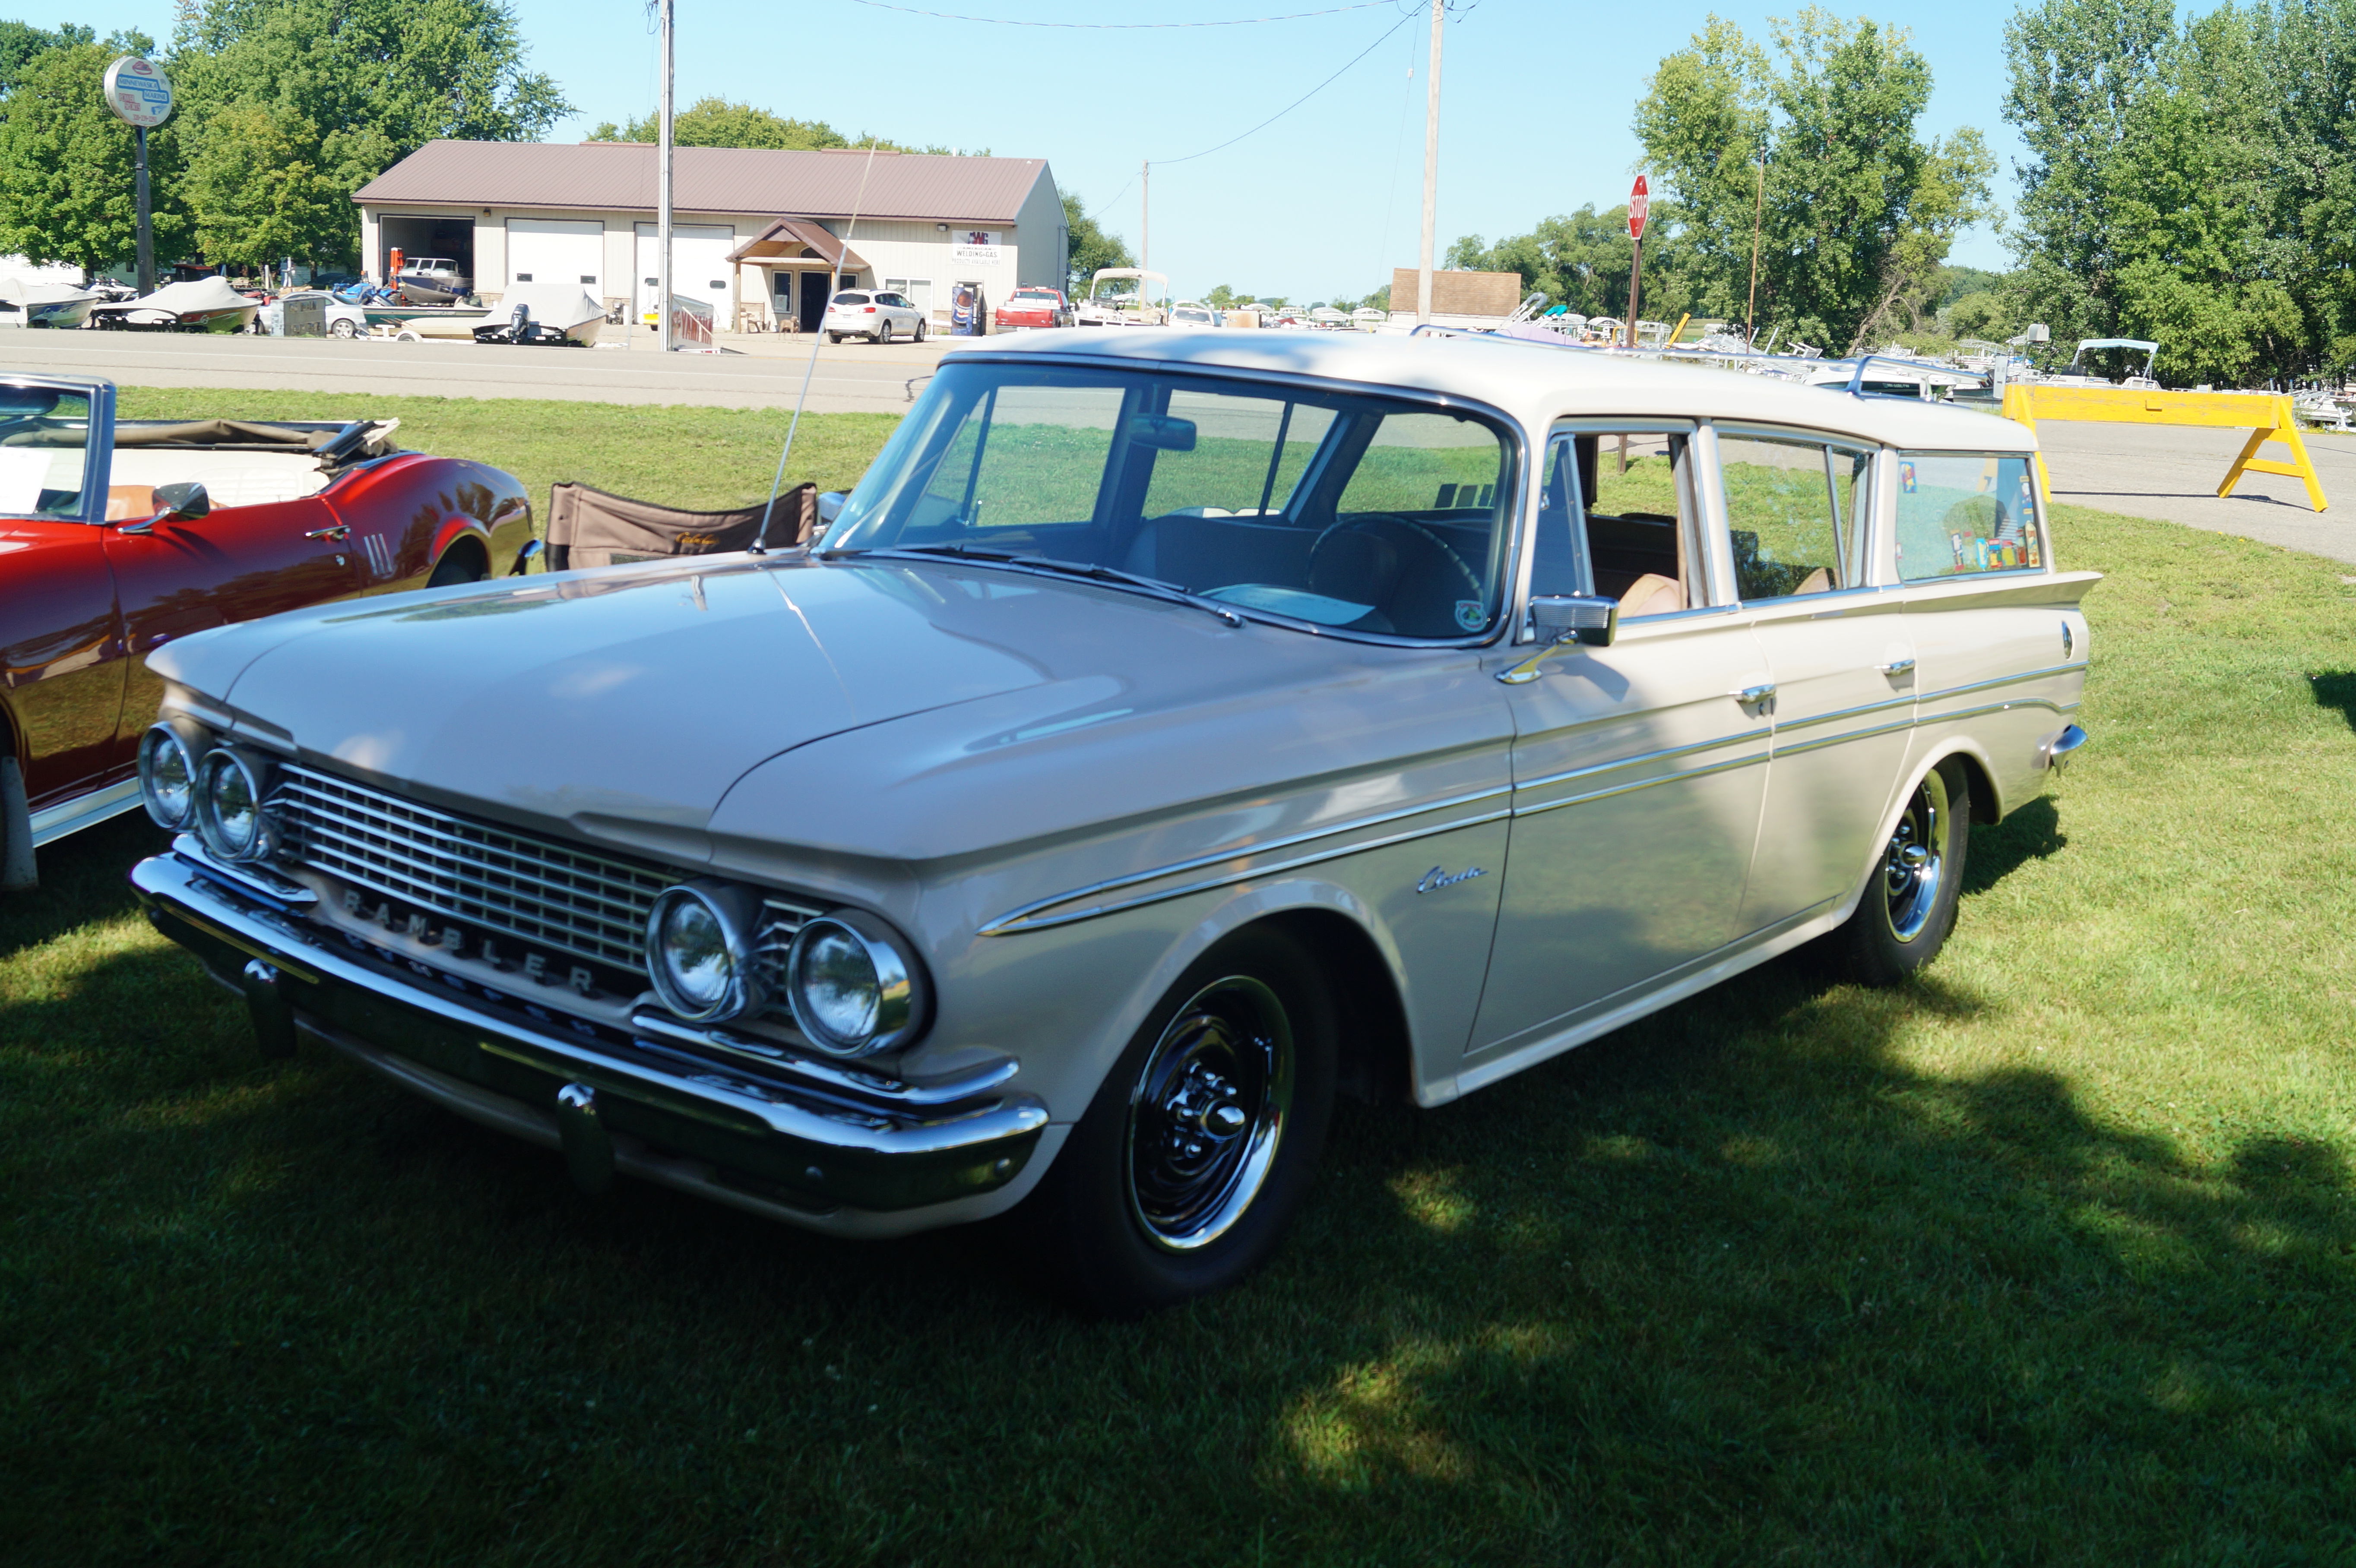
(853, 988)
(167, 771)
(230, 790)
(701, 941)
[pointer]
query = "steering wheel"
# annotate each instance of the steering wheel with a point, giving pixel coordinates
(1418, 535)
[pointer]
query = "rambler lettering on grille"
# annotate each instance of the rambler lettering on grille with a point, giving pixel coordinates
(537, 890)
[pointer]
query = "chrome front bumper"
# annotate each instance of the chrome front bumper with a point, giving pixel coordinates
(804, 1152)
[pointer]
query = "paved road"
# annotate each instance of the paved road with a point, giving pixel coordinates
(2172, 474)
(851, 376)
(2151, 471)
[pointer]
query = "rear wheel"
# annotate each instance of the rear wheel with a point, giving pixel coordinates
(460, 563)
(883, 331)
(1201, 1143)
(834, 337)
(1909, 905)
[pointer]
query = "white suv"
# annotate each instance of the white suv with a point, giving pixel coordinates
(873, 315)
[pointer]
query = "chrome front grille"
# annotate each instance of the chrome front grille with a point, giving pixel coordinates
(535, 889)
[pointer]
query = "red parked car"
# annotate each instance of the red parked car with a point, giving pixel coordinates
(117, 536)
(1032, 305)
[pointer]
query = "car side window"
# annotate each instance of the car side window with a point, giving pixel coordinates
(1962, 513)
(44, 441)
(1614, 520)
(1789, 531)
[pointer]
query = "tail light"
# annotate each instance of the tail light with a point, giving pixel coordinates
(870, 310)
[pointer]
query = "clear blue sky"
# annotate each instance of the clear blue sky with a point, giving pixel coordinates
(1537, 100)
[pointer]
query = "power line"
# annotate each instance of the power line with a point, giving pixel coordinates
(1125, 27)
(1297, 103)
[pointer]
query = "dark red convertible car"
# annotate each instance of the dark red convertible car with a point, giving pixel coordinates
(118, 536)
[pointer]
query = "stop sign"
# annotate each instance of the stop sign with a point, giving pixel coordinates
(1640, 203)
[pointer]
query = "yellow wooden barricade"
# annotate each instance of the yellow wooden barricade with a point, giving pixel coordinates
(2267, 416)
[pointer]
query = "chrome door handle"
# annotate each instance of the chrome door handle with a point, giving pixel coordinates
(335, 532)
(1897, 666)
(1751, 695)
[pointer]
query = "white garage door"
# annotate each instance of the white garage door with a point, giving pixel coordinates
(698, 266)
(558, 250)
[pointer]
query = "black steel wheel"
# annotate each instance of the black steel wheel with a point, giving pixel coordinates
(1200, 1145)
(1909, 904)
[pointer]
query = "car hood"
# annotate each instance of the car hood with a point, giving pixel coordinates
(635, 697)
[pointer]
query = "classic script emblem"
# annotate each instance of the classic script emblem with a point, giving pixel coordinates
(1436, 879)
(455, 940)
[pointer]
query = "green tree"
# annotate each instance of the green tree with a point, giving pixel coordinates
(2191, 181)
(717, 122)
(1856, 212)
(345, 88)
(257, 190)
(21, 41)
(1581, 259)
(1220, 297)
(1092, 249)
(65, 167)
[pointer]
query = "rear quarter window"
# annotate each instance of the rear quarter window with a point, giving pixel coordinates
(1960, 514)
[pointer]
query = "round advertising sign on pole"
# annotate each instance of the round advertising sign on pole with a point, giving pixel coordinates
(137, 92)
(1640, 206)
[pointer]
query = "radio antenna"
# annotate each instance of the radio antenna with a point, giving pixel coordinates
(833, 280)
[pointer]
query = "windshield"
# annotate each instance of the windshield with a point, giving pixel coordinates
(1366, 513)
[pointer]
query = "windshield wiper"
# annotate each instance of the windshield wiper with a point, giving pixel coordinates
(1153, 586)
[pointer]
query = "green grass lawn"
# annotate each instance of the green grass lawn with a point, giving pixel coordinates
(2048, 1258)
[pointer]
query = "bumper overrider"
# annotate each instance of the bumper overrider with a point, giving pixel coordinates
(813, 1152)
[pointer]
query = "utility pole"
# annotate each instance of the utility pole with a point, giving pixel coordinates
(1430, 169)
(662, 192)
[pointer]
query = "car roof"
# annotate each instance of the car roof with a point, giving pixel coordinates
(1536, 383)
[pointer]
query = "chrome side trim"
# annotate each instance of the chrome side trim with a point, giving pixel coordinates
(54, 822)
(1733, 739)
(1030, 916)
(1858, 712)
(1846, 735)
(2000, 680)
(1633, 785)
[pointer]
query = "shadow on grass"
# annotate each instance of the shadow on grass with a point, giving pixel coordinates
(2336, 689)
(2031, 833)
(1744, 1282)
(81, 880)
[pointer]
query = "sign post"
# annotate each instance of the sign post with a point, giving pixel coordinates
(142, 99)
(1640, 206)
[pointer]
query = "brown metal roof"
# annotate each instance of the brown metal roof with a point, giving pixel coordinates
(621, 175)
(789, 237)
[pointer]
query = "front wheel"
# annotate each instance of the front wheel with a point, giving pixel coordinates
(1201, 1143)
(1909, 905)
(343, 328)
(920, 332)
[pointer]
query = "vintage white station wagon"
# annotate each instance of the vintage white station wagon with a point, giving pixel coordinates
(1172, 732)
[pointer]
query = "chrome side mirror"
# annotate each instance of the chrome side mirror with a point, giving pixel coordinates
(184, 502)
(1569, 617)
(830, 506)
(1562, 619)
